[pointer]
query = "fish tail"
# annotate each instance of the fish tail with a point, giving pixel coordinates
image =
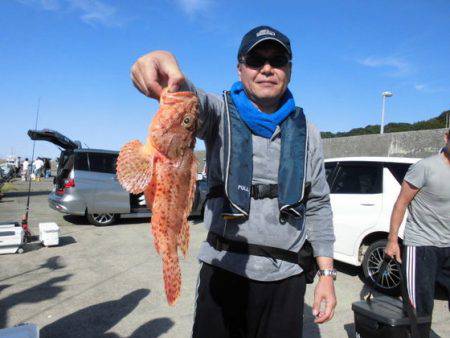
(172, 277)
(183, 238)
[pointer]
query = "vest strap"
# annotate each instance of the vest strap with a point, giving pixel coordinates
(304, 258)
(258, 191)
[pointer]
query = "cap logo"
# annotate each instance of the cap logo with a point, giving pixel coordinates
(265, 32)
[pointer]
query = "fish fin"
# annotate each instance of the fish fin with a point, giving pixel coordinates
(149, 193)
(134, 167)
(172, 277)
(183, 237)
(193, 184)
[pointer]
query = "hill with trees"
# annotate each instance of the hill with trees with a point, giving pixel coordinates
(433, 123)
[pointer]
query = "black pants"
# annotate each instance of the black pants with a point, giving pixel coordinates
(229, 305)
(425, 266)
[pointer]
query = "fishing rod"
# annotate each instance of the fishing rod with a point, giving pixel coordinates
(25, 224)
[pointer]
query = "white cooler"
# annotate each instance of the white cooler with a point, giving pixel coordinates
(11, 238)
(49, 233)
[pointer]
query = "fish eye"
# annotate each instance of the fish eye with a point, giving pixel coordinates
(187, 121)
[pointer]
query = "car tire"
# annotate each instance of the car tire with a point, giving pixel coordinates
(102, 219)
(373, 258)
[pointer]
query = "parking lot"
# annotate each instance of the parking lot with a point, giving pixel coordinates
(107, 281)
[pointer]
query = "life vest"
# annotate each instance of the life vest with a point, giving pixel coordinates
(238, 164)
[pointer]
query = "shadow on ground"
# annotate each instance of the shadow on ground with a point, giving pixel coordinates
(81, 220)
(97, 320)
(35, 294)
(53, 263)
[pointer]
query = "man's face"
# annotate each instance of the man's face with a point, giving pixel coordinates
(265, 85)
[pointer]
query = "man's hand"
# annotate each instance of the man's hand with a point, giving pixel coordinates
(393, 250)
(155, 71)
(324, 294)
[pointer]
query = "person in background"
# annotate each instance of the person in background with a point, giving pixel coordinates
(47, 168)
(38, 168)
(25, 170)
(17, 166)
(425, 192)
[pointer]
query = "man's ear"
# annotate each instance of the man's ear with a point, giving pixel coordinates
(239, 71)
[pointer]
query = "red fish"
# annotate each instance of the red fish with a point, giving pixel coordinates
(165, 169)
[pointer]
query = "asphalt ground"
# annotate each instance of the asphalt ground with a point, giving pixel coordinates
(107, 281)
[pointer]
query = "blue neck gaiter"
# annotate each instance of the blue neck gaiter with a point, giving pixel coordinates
(261, 124)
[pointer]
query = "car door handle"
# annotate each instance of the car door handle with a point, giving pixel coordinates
(368, 204)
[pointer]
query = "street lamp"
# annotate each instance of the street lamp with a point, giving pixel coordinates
(385, 95)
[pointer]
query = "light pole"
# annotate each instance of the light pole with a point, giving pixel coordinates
(385, 95)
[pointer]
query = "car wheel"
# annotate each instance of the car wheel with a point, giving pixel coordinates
(101, 219)
(373, 258)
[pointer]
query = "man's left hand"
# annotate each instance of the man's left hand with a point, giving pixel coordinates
(324, 293)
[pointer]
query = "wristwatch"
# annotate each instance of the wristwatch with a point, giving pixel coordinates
(328, 272)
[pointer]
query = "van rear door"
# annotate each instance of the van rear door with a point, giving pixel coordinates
(110, 197)
(55, 138)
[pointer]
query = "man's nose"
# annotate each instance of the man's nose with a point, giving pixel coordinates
(267, 68)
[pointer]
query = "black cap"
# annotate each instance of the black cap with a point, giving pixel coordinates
(260, 34)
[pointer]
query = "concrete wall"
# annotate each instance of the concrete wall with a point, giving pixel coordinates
(420, 143)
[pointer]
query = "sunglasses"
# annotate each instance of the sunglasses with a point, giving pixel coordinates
(258, 61)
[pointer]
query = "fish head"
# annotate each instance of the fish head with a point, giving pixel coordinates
(173, 129)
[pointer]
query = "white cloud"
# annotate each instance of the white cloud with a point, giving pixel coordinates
(94, 11)
(427, 88)
(192, 7)
(90, 11)
(49, 5)
(420, 87)
(400, 67)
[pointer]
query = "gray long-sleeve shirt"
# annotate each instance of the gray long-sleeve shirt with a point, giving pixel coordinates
(263, 225)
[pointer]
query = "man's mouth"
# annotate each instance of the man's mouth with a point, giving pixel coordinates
(266, 83)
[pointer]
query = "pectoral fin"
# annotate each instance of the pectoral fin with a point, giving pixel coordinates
(134, 167)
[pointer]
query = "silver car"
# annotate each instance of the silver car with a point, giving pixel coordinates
(86, 184)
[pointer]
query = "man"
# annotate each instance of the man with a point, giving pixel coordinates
(425, 192)
(268, 192)
(38, 166)
(25, 170)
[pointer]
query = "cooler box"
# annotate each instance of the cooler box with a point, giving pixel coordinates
(383, 317)
(49, 233)
(20, 331)
(11, 237)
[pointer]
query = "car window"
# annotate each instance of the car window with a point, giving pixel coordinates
(398, 170)
(65, 161)
(330, 168)
(358, 178)
(81, 161)
(104, 163)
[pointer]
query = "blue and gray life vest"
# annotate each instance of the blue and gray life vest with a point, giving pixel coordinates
(238, 164)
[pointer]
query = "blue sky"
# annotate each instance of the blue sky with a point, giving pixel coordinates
(76, 55)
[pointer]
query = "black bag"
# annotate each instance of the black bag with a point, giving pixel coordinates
(385, 317)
